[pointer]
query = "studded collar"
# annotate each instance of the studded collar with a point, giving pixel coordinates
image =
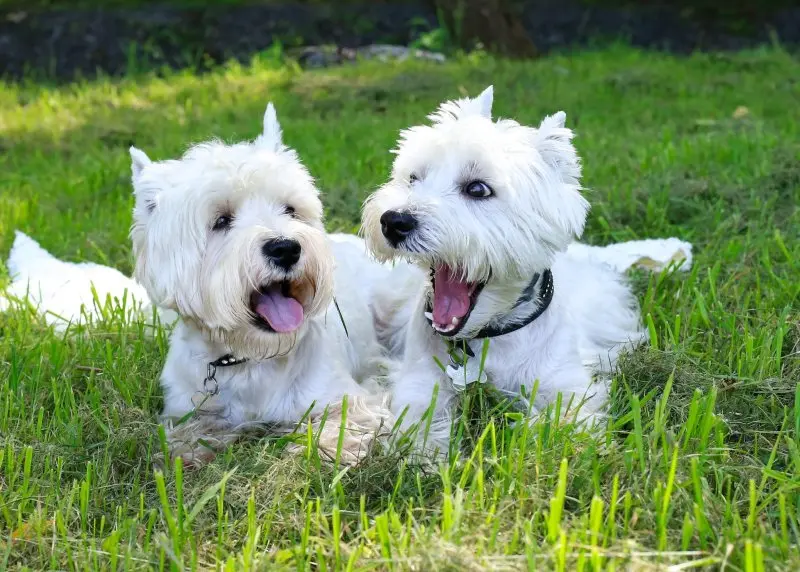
(210, 384)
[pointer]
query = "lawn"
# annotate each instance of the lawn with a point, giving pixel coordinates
(699, 466)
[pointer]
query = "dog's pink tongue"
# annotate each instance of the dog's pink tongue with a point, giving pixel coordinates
(284, 314)
(451, 296)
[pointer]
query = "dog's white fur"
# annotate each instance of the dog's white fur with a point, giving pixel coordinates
(208, 276)
(536, 211)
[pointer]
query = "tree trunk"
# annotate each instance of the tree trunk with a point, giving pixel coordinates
(494, 23)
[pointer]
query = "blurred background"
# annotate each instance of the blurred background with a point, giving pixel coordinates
(67, 38)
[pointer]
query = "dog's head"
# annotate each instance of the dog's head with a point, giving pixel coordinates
(484, 204)
(231, 238)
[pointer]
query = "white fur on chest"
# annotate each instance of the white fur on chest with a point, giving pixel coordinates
(520, 358)
(333, 354)
(591, 319)
(276, 390)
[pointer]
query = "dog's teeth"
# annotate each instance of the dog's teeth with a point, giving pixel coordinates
(444, 329)
(429, 315)
(455, 321)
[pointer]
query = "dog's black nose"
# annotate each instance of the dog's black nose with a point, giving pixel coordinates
(283, 252)
(396, 226)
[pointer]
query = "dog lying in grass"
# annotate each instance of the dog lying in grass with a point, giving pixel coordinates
(220, 379)
(274, 313)
(485, 211)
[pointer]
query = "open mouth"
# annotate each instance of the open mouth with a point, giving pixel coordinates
(453, 300)
(277, 307)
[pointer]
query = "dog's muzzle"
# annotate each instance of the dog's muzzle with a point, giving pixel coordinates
(397, 226)
(282, 252)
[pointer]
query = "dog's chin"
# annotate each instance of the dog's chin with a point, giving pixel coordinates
(254, 342)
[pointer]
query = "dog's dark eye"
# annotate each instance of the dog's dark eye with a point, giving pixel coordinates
(412, 178)
(289, 209)
(477, 190)
(223, 222)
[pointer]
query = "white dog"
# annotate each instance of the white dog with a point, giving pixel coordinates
(486, 211)
(231, 238)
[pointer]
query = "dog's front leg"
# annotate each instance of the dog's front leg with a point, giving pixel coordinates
(198, 439)
(347, 433)
(424, 397)
(197, 426)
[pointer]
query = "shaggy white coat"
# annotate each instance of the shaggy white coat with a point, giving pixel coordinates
(525, 227)
(209, 276)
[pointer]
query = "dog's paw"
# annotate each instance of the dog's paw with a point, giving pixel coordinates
(350, 455)
(194, 456)
(196, 441)
(367, 422)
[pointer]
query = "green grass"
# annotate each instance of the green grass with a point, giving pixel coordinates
(700, 466)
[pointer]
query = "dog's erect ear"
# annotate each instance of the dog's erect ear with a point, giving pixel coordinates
(450, 110)
(139, 160)
(485, 100)
(553, 141)
(271, 136)
(557, 121)
(552, 137)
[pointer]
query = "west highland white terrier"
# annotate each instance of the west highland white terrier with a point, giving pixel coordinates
(275, 321)
(485, 210)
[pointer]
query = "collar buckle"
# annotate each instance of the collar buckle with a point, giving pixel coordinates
(210, 383)
(211, 379)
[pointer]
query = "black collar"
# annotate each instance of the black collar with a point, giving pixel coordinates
(545, 297)
(226, 360)
(210, 384)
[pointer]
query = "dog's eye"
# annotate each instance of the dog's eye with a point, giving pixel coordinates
(289, 209)
(223, 222)
(477, 190)
(412, 178)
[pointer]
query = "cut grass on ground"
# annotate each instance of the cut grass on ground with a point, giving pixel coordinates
(701, 460)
